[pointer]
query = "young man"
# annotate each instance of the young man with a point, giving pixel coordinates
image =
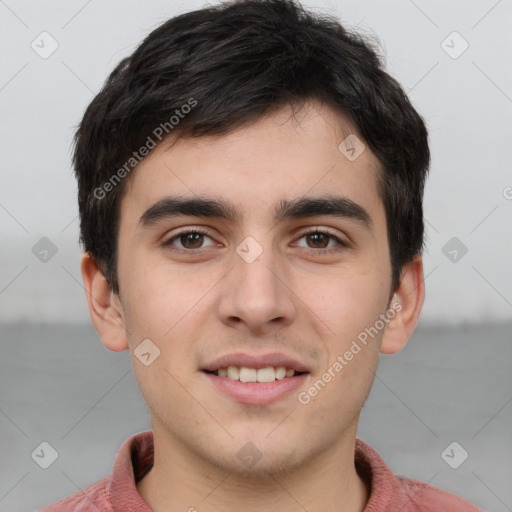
(250, 192)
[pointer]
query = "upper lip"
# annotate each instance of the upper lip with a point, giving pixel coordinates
(262, 361)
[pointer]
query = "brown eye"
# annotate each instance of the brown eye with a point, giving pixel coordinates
(318, 239)
(190, 241)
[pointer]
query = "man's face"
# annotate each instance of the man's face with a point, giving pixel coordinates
(256, 286)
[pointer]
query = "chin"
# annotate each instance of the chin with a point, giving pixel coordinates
(255, 457)
(269, 464)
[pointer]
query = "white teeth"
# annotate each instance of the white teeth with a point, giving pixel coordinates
(248, 374)
(280, 372)
(266, 374)
(233, 373)
(245, 374)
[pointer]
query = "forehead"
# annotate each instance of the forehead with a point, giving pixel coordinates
(257, 170)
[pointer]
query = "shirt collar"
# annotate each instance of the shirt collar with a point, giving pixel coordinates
(135, 459)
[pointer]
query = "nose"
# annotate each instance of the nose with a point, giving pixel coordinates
(257, 296)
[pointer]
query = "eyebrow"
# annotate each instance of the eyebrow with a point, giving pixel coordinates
(330, 205)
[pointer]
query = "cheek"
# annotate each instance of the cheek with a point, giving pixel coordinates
(161, 306)
(165, 307)
(156, 296)
(352, 349)
(348, 302)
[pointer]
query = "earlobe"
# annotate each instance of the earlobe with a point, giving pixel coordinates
(406, 304)
(104, 307)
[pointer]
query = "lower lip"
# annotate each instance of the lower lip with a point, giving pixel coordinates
(256, 393)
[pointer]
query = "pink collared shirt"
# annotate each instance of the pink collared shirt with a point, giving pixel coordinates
(389, 493)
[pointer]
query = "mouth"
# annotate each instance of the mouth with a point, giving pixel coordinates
(255, 380)
(261, 375)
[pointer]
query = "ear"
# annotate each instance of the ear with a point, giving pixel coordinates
(406, 304)
(104, 306)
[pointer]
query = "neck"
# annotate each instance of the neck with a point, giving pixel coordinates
(182, 481)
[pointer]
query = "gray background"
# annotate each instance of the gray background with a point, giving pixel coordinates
(451, 383)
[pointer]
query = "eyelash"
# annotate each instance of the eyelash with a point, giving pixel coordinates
(168, 243)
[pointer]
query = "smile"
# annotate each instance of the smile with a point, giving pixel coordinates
(246, 374)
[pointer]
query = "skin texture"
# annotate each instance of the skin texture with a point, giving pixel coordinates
(292, 299)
